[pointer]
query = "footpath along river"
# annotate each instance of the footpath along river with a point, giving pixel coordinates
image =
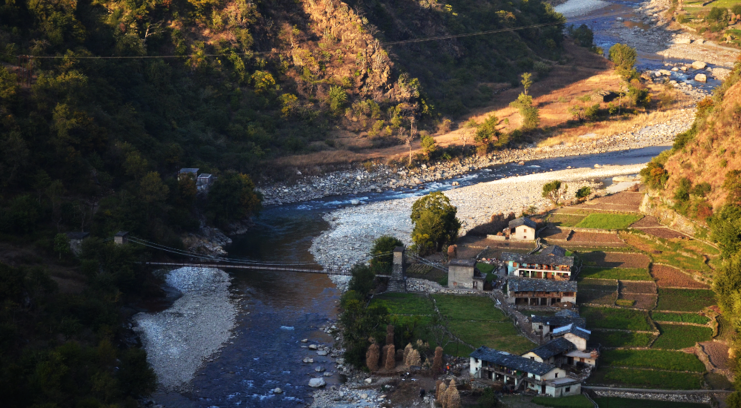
(273, 311)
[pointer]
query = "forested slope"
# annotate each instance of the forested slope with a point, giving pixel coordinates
(700, 178)
(118, 95)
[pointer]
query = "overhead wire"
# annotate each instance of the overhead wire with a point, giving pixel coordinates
(242, 261)
(387, 43)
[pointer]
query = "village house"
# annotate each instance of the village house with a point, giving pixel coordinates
(191, 172)
(539, 266)
(540, 292)
(544, 325)
(75, 241)
(462, 274)
(520, 372)
(553, 352)
(522, 229)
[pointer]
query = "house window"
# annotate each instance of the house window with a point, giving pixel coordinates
(540, 327)
(568, 389)
(556, 375)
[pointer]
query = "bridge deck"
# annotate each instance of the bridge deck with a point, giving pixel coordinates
(254, 267)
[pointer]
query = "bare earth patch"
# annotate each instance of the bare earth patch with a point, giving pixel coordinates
(663, 232)
(554, 233)
(646, 302)
(591, 238)
(637, 287)
(647, 222)
(624, 201)
(669, 277)
(717, 353)
(615, 260)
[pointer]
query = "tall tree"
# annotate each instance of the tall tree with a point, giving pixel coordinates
(435, 222)
(232, 198)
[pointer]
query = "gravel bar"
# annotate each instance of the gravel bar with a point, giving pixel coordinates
(353, 229)
(178, 340)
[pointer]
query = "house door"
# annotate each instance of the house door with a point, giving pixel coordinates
(475, 285)
(542, 389)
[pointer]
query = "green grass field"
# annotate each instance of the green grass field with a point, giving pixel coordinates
(658, 359)
(669, 251)
(674, 336)
(613, 402)
(468, 308)
(501, 336)
(663, 380)
(608, 221)
(565, 220)
(621, 339)
(631, 274)
(685, 300)
(473, 319)
(405, 303)
(626, 319)
(679, 317)
(573, 401)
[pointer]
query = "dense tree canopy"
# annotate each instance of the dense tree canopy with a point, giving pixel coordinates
(435, 222)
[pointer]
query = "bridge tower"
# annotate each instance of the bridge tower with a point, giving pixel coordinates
(398, 281)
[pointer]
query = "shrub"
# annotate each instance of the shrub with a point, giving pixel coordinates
(591, 112)
(486, 133)
(702, 189)
(682, 192)
(382, 257)
(582, 35)
(717, 15)
(428, 145)
(583, 192)
(624, 58)
(551, 191)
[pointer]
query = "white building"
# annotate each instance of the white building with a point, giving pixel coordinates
(520, 372)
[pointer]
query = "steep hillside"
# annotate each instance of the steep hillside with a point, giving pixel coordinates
(696, 176)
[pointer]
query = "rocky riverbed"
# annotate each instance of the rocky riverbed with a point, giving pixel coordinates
(180, 339)
(353, 229)
(384, 177)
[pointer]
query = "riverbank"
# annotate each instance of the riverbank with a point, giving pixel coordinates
(180, 339)
(353, 229)
(656, 131)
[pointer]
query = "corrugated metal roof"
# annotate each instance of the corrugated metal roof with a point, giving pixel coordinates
(512, 361)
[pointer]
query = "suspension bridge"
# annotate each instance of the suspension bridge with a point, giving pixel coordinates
(241, 263)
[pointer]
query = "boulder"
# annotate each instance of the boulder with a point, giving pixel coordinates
(277, 391)
(317, 382)
(682, 40)
(701, 78)
(664, 72)
(699, 65)
(322, 353)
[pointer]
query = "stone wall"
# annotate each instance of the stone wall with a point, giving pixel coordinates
(656, 396)
(427, 286)
(654, 205)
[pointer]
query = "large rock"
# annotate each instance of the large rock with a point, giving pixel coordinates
(317, 383)
(701, 78)
(682, 40)
(699, 65)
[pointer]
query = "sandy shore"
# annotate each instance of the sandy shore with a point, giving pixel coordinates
(353, 229)
(179, 339)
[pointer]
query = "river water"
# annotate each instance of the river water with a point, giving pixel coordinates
(279, 309)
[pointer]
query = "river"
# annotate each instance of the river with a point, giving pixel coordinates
(279, 309)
